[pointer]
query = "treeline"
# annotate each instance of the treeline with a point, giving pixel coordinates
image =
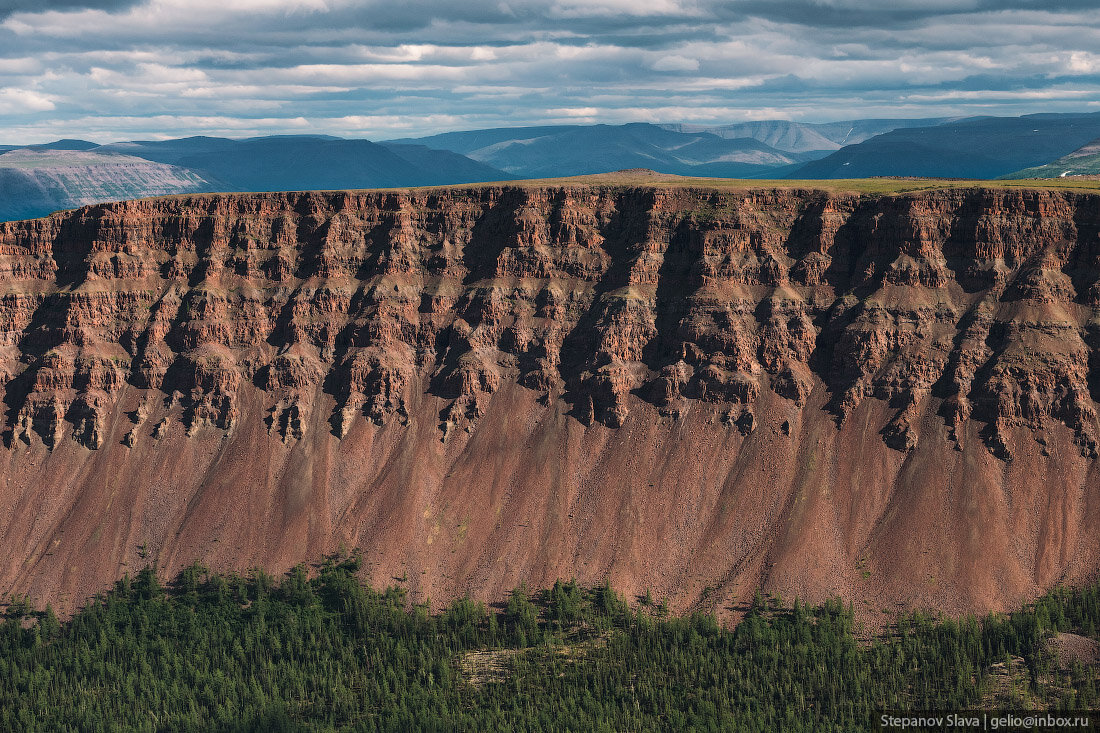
(321, 651)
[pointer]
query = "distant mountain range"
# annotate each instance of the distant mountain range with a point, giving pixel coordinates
(75, 173)
(1085, 161)
(802, 137)
(548, 152)
(38, 179)
(35, 181)
(983, 147)
(56, 145)
(285, 163)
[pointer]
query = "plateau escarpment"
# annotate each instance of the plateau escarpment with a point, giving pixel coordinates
(890, 398)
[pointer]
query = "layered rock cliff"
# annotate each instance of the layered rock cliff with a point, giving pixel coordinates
(701, 392)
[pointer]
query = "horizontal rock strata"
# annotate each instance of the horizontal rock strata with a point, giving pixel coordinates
(959, 329)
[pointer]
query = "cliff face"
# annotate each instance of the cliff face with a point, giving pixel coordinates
(698, 392)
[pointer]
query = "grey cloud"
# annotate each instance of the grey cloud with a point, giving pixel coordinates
(404, 17)
(8, 7)
(387, 69)
(883, 14)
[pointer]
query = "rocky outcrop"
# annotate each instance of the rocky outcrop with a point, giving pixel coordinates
(953, 321)
(986, 300)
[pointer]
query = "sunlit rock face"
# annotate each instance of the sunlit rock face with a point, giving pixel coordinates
(891, 398)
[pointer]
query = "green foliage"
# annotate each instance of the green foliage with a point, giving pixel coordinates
(565, 603)
(319, 651)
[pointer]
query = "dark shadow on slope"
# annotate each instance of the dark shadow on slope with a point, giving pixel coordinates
(678, 278)
(73, 245)
(624, 236)
(1083, 265)
(855, 270)
(44, 332)
(494, 232)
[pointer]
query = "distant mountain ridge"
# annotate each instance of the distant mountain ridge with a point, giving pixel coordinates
(55, 145)
(975, 147)
(281, 163)
(1085, 161)
(553, 151)
(983, 147)
(972, 147)
(77, 172)
(807, 137)
(36, 181)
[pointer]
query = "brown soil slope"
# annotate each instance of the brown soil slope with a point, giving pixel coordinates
(700, 392)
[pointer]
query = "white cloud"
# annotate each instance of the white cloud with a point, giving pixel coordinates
(610, 8)
(573, 112)
(23, 65)
(376, 68)
(1083, 62)
(675, 63)
(23, 101)
(996, 95)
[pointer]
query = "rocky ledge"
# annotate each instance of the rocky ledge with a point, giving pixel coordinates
(986, 300)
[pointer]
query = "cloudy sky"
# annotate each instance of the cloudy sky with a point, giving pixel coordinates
(110, 70)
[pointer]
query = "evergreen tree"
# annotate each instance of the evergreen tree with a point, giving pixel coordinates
(319, 650)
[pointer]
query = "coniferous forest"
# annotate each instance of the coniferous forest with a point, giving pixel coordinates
(317, 650)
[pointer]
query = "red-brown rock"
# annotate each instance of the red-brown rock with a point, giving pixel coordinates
(673, 388)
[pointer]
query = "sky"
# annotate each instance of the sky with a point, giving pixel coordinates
(109, 70)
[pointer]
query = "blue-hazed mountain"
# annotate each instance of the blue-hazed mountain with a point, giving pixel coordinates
(55, 145)
(301, 163)
(567, 150)
(38, 179)
(984, 147)
(77, 172)
(1085, 161)
(806, 137)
